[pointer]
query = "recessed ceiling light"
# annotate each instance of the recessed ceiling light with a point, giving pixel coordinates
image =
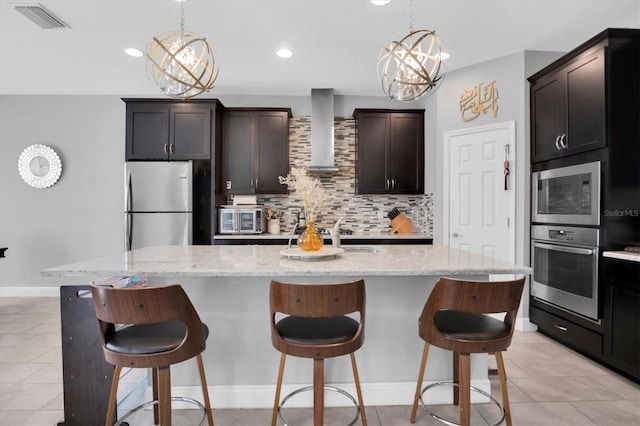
(380, 2)
(284, 53)
(132, 51)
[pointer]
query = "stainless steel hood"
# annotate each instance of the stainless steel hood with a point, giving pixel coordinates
(322, 136)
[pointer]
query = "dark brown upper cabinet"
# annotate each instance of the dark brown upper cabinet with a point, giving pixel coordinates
(255, 150)
(582, 99)
(389, 151)
(169, 130)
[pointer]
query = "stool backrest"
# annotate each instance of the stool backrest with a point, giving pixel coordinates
(318, 300)
(478, 297)
(149, 305)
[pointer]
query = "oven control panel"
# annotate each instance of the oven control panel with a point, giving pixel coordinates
(561, 235)
(568, 234)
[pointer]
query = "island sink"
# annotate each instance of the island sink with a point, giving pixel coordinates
(363, 249)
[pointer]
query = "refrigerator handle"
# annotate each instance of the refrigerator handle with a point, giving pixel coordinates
(129, 196)
(128, 234)
(129, 217)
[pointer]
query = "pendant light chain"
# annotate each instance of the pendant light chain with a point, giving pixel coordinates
(410, 15)
(182, 19)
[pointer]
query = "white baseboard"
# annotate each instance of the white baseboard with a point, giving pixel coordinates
(524, 324)
(29, 291)
(373, 394)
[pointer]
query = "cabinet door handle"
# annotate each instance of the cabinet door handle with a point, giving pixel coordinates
(563, 143)
(166, 148)
(558, 143)
(559, 327)
(256, 185)
(393, 184)
(172, 149)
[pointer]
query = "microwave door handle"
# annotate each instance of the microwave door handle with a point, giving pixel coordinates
(573, 250)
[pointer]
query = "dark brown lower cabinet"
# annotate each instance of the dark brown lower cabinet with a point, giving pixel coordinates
(621, 281)
(568, 329)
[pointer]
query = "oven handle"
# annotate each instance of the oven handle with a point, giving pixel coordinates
(574, 250)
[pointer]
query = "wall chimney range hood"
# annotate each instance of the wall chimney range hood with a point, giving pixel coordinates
(322, 136)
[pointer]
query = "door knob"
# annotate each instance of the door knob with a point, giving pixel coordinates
(456, 235)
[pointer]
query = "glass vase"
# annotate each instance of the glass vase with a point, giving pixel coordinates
(310, 239)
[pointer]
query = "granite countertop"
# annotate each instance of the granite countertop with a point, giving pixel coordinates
(260, 260)
(623, 255)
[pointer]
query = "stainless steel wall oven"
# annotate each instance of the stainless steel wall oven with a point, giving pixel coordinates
(565, 268)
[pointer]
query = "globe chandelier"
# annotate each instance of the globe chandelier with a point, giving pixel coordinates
(181, 63)
(411, 65)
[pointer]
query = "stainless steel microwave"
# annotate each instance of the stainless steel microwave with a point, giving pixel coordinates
(567, 195)
(241, 220)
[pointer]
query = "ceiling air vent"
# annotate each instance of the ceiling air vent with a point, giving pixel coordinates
(42, 17)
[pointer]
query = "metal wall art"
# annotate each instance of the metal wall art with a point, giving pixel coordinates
(478, 100)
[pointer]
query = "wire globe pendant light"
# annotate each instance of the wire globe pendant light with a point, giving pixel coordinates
(181, 63)
(412, 65)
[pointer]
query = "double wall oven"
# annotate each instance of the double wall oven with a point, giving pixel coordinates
(565, 238)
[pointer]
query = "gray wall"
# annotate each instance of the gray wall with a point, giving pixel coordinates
(79, 217)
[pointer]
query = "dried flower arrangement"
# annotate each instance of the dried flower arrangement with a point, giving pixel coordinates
(310, 190)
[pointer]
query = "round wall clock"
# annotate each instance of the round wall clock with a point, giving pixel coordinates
(39, 166)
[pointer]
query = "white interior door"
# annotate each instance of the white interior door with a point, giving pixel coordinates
(478, 211)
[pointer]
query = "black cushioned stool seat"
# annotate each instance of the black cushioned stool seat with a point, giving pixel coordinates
(469, 326)
(317, 331)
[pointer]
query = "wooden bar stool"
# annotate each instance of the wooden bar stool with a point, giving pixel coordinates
(453, 319)
(150, 327)
(316, 326)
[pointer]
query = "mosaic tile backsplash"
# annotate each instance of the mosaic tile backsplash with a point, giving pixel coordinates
(362, 213)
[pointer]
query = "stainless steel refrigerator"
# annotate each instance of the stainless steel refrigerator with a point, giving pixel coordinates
(158, 203)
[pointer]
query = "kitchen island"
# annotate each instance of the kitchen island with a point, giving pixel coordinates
(229, 286)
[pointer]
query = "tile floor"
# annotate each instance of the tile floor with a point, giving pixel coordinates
(548, 383)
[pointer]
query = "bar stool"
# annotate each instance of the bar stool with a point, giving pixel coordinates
(316, 326)
(150, 327)
(453, 319)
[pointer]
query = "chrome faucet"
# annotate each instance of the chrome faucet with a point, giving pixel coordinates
(295, 226)
(335, 234)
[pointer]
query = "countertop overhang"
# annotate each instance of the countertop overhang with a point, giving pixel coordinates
(622, 255)
(259, 261)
